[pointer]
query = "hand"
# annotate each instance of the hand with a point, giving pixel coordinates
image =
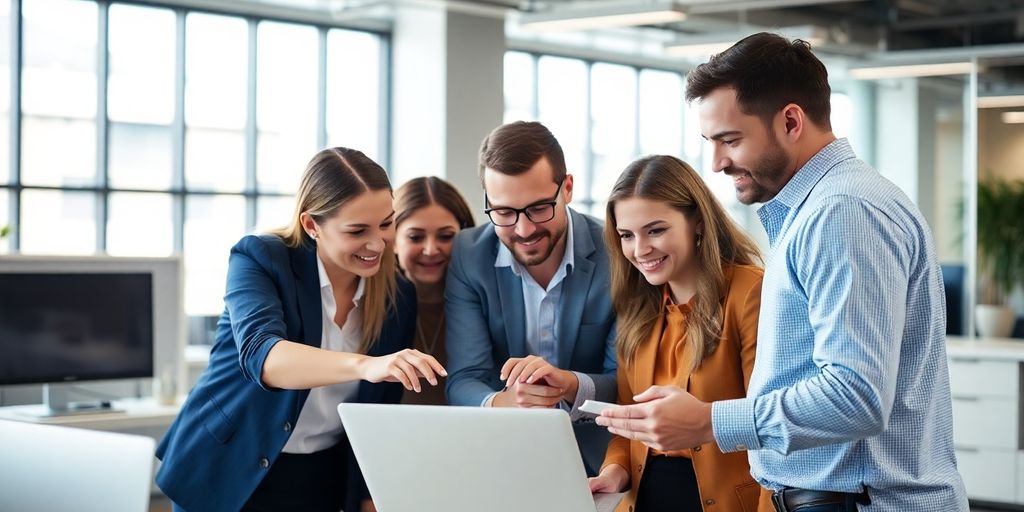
(367, 506)
(406, 366)
(527, 396)
(613, 478)
(665, 418)
(533, 369)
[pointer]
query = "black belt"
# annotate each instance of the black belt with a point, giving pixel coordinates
(788, 500)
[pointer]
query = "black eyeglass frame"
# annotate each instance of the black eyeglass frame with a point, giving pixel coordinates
(525, 210)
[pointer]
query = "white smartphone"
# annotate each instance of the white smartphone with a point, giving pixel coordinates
(595, 407)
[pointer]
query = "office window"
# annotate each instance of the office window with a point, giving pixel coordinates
(355, 92)
(58, 222)
(58, 93)
(604, 115)
(140, 97)
(216, 91)
(132, 234)
(286, 103)
(152, 130)
(5, 105)
(842, 114)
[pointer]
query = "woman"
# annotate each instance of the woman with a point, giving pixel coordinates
(310, 311)
(686, 292)
(429, 212)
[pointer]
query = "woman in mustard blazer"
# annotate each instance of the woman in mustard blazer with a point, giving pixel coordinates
(686, 290)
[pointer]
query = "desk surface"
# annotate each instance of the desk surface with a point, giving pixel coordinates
(1006, 349)
(131, 413)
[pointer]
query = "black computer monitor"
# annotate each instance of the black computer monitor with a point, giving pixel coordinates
(69, 327)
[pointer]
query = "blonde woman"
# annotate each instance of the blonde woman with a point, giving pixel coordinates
(313, 317)
(686, 291)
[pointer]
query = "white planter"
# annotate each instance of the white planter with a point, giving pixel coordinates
(994, 321)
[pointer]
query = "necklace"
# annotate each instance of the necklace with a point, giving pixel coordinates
(430, 345)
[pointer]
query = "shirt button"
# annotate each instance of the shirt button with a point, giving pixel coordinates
(287, 426)
(639, 467)
(709, 502)
(264, 463)
(741, 447)
(697, 449)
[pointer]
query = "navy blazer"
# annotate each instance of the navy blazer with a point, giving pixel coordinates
(485, 317)
(232, 427)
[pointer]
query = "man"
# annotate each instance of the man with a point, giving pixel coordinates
(528, 314)
(849, 402)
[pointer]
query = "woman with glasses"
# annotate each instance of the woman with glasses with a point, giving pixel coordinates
(429, 212)
(313, 317)
(686, 289)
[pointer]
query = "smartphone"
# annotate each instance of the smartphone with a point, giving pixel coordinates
(595, 407)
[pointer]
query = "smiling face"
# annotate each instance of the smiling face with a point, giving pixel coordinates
(531, 243)
(424, 243)
(354, 238)
(745, 148)
(659, 241)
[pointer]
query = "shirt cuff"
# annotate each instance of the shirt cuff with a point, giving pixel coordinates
(733, 424)
(488, 400)
(586, 390)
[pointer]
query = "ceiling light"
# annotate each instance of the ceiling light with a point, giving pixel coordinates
(1001, 101)
(709, 44)
(1013, 117)
(604, 15)
(911, 70)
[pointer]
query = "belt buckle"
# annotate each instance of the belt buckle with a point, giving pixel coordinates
(779, 501)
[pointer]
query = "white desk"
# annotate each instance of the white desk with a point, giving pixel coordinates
(132, 414)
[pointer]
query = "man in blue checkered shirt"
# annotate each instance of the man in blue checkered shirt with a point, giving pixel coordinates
(849, 404)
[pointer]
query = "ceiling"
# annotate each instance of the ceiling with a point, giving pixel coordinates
(992, 30)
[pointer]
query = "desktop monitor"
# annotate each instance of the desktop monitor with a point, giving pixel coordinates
(65, 320)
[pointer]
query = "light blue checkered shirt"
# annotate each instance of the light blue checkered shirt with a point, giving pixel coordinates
(850, 388)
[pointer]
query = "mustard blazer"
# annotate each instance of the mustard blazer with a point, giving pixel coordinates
(723, 479)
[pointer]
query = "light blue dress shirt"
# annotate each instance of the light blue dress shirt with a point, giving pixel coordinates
(542, 315)
(850, 388)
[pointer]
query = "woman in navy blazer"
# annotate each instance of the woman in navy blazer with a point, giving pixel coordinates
(313, 316)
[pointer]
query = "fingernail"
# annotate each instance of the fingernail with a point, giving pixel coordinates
(502, 376)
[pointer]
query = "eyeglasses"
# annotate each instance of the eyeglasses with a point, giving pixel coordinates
(541, 211)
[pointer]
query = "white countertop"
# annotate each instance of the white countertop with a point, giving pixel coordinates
(1011, 349)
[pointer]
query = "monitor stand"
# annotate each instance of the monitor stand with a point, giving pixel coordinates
(56, 403)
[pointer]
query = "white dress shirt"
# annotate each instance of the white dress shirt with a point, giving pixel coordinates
(319, 426)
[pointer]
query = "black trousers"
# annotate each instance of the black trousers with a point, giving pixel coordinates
(668, 484)
(314, 482)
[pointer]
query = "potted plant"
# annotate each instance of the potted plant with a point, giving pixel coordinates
(1001, 252)
(4, 231)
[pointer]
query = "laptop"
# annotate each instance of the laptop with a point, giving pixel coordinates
(438, 458)
(51, 468)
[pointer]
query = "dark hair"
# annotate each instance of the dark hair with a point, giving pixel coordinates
(333, 177)
(514, 148)
(768, 72)
(422, 192)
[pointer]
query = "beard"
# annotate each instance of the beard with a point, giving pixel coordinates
(529, 260)
(766, 178)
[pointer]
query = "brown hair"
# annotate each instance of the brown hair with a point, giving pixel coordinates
(638, 303)
(332, 178)
(514, 148)
(768, 72)
(424, 191)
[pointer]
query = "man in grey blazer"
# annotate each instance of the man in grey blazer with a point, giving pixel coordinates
(528, 313)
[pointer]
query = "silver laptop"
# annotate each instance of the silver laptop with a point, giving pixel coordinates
(50, 468)
(467, 459)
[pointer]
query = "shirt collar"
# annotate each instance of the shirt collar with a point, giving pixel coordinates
(801, 184)
(505, 258)
(325, 282)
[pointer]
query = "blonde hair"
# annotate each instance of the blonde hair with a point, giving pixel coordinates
(332, 178)
(638, 303)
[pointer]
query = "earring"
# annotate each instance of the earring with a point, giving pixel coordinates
(700, 237)
(312, 235)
